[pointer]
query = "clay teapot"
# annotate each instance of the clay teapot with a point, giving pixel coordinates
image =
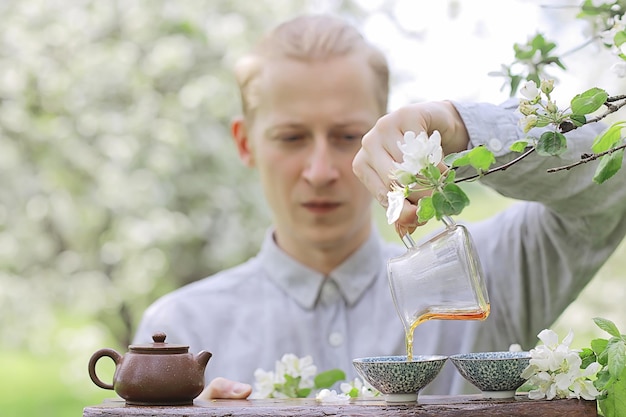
(158, 373)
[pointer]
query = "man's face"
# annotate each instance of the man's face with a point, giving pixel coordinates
(306, 130)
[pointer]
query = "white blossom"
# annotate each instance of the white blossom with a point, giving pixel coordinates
(327, 396)
(395, 202)
(530, 90)
(515, 347)
(293, 366)
(608, 36)
(364, 389)
(264, 384)
(582, 386)
(619, 68)
(419, 150)
(555, 370)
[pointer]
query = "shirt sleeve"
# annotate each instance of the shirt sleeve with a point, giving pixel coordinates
(541, 252)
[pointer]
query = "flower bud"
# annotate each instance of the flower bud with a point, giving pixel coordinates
(552, 107)
(404, 177)
(547, 86)
(528, 122)
(526, 109)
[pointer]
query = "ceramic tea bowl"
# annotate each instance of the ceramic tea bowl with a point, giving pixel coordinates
(398, 379)
(496, 374)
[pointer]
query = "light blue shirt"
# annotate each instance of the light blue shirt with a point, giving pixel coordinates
(537, 256)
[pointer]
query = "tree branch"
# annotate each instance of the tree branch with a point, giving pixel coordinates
(616, 98)
(612, 105)
(586, 158)
(499, 168)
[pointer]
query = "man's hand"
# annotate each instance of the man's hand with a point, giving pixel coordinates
(225, 389)
(379, 149)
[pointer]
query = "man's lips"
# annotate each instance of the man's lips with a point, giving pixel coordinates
(321, 206)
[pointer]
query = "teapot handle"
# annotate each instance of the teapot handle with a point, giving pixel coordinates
(92, 365)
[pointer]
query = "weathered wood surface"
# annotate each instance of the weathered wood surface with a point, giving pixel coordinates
(428, 406)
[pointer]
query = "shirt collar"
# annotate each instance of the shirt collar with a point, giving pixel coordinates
(353, 277)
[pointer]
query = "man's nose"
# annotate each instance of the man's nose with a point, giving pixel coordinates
(321, 168)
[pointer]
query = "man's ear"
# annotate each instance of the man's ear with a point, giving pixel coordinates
(239, 131)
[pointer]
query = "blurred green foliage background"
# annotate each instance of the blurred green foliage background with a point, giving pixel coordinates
(118, 181)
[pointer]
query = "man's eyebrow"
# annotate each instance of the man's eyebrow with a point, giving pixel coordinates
(282, 126)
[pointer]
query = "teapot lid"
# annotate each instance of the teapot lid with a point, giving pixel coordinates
(159, 346)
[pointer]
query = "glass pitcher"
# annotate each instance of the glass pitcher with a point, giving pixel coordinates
(439, 279)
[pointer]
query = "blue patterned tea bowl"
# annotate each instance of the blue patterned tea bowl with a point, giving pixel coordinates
(398, 379)
(496, 374)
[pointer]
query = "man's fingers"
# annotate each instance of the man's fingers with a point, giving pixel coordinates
(372, 181)
(225, 389)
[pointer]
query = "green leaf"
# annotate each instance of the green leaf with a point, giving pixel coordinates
(450, 176)
(451, 159)
(607, 325)
(290, 387)
(589, 101)
(609, 138)
(603, 380)
(543, 121)
(524, 51)
(425, 209)
(303, 392)
(515, 82)
(450, 201)
(539, 42)
(328, 378)
(588, 357)
(609, 165)
(619, 38)
(431, 172)
(614, 404)
(557, 61)
(480, 158)
(551, 144)
(354, 392)
(578, 119)
(599, 346)
(519, 146)
(616, 356)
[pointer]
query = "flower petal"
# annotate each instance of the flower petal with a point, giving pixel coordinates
(395, 201)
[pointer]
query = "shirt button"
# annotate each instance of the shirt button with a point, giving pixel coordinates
(335, 339)
(495, 144)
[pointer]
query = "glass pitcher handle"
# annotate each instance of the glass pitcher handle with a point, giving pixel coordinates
(410, 243)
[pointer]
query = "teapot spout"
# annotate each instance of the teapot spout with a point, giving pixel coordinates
(203, 358)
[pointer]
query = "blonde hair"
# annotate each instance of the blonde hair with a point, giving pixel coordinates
(309, 38)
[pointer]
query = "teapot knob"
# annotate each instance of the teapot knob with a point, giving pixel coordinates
(158, 337)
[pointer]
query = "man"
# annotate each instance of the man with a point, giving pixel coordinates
(311, 89)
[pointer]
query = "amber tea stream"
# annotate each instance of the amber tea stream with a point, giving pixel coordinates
(448, 315)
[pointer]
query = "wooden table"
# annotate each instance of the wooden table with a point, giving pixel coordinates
(428, 406)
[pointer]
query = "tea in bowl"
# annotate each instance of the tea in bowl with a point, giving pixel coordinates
(495, 374)
(398, 379)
